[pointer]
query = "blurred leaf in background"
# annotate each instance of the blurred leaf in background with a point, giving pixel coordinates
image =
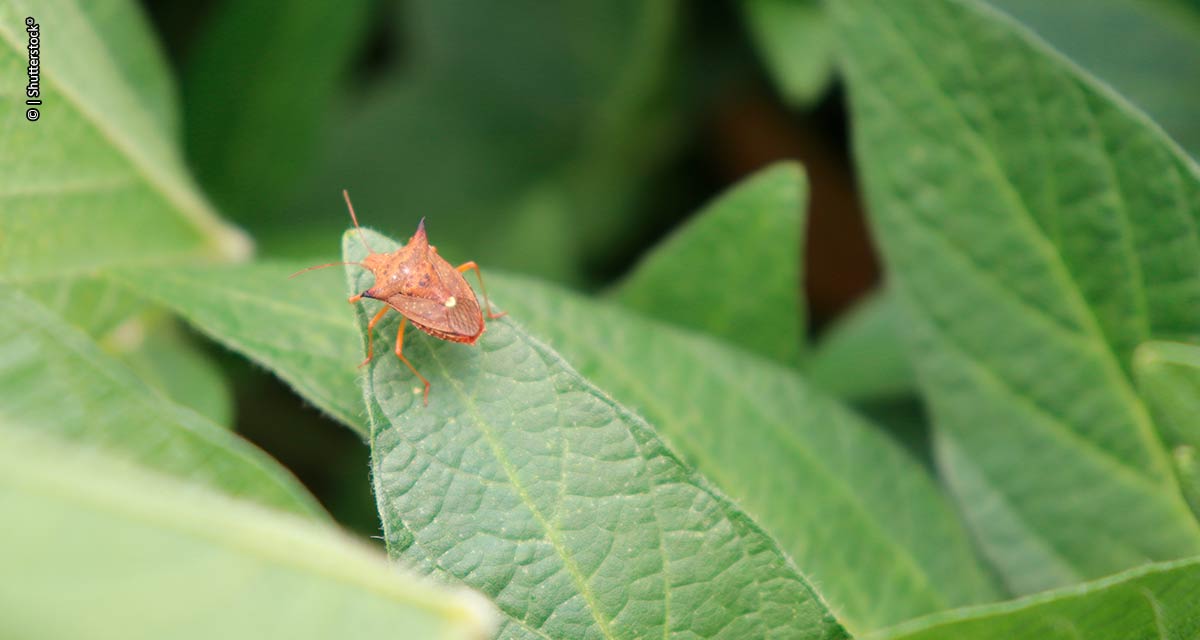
(1148, 50)
(99, 179)
(795, 40)
(93, 548)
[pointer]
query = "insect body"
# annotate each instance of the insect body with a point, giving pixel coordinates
(423, 288)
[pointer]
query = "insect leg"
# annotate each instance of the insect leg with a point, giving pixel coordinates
(400, 354)
(467, 266)
(371, 333)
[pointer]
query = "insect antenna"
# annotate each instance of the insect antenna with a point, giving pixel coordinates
(322, 266)
(361, 237)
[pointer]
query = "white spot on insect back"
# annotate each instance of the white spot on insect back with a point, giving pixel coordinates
(450, 302)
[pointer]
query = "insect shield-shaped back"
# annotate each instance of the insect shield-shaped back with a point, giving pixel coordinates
(422, 286)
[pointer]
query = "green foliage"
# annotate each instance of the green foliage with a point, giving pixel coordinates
(56, 380)
(1147, 50)
(871, 332)
(1168, 375)
(1034, 236)
(795, 39)
(1013, 410)
(771, 442)
(249, 152)
(295, 327)
(518, 456)
(235, 571)
(733, 271)
(169, 362)
(1154, 601)
(104, 184)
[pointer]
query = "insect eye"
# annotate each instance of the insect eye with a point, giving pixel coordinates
(367, 294)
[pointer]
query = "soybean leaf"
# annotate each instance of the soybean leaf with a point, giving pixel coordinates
(1155, 65)
(161, 559)
(54, 379)
(1036, 230)
(166, 360)
(796, 40)
(1168, 376)
(734, 271)
(98, 180)
(257, 124)
(301, 328)
(1153, 601)
(863, 356)
(523, 480)
(861, 518)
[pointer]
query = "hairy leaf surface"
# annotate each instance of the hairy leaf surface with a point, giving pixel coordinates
(860, 516)
(523, 480)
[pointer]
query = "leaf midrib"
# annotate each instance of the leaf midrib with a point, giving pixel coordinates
(194, 209)
(552, 534)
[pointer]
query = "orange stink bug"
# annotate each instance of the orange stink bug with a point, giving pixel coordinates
(423, 288)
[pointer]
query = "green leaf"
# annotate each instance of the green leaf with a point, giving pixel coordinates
(862, 356)
(796, 40)
(97, 549)
(1036, 230)
(1168, 376)
(734, 271)
(301, 328)
(169, 362)
(871, 528)
(523, 480)
(253, 129)
(1158, 59)
(139, 58)
(91, 303)
(54, 379)
(97, 180)
(1152, 601)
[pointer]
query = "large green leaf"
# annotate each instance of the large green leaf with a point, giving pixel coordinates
(1036, 230)
(253, 129)
(300, 328)
(523, 480)
(1156, 63)
(1156, 601)
(1168, 376)
(862, 519)
(96, 180)
(734, 271)
(796, 41)
(54, 379)
(95, 549)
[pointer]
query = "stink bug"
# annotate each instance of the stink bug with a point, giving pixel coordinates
(423, 288)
